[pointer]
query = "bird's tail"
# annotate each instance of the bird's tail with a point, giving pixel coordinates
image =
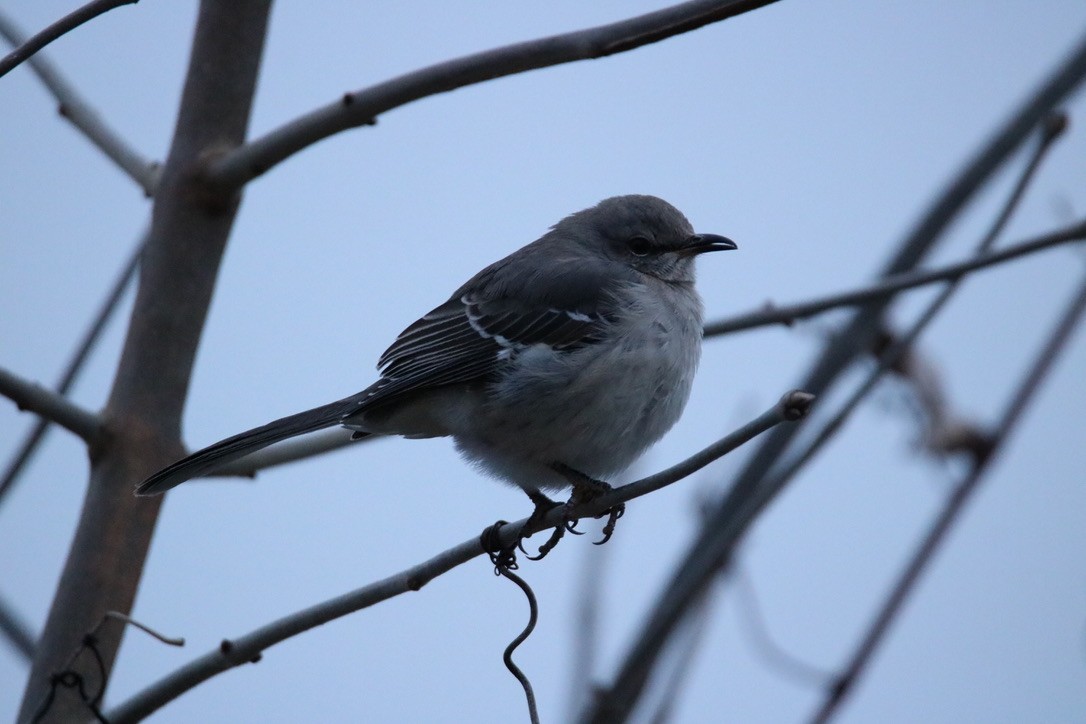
(240, 445)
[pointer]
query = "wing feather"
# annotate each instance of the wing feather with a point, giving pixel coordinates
(484, 325)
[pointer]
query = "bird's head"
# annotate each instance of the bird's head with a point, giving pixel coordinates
(644, 232)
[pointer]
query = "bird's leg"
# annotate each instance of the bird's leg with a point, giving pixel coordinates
(585, 489)
(543, 505)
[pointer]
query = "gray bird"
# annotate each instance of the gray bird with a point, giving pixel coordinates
(560, 364)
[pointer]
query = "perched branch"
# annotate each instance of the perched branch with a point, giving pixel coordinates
(713, 549)
(86, 119)
(954, 506)
(235, 652)
(362, 107)
(75, 366)
(35, 398)
(66, 24)
(891, 285)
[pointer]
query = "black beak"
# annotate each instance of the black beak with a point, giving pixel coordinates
(701, 243)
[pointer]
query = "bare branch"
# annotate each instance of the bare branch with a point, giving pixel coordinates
(86, 119)
(16, 631)
(731, 518)
(235, 652)
(51, 406)
(362, 107)
(894, 355)
(178, 271)
(74, 367)
(954, 506)
(891, 285)
(761, 638)
(66, 24)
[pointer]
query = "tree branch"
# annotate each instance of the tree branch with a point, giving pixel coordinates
(954, 506)
(37, 399)
(891, 285)
(362, 107)
(86, 119)
(16, 631)
(189, 231)
(235, 652)
(66, 24)
(714, 547)
(74, 367)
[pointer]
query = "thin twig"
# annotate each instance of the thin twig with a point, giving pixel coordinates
(688, 640)
(362, 107)
(954, 506)
(75, 365)
(86, 119)
(715, 545)
(236, 652)
(35, 398)
(585, 644)
(761, 638)
(892, 354)
(889, 286)
(17, 631)
(66, 24)
(69, 677)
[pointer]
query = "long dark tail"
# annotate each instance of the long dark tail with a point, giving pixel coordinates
(240, 445)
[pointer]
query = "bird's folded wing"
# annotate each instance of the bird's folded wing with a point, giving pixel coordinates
(484, 326)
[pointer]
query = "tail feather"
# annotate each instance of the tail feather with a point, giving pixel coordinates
(240, 445)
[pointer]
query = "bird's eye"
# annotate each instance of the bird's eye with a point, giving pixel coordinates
(639, 246)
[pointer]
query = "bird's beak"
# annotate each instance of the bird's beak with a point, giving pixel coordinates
(701, 243)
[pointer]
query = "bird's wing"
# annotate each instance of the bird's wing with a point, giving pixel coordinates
(485, 324)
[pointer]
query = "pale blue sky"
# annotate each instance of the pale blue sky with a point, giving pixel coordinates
(813, 133)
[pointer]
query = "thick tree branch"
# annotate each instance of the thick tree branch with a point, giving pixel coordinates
(50, 406)
(86, 119)
(66, 24)
(954, 507)
(712, 549)
(180, 262)
(364, 106)
(889, 286)
(239, 651)
(75, 366)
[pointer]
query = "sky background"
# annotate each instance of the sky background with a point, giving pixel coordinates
(813, 133)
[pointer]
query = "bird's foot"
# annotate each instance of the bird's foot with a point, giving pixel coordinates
(586, 489)
(543, 505)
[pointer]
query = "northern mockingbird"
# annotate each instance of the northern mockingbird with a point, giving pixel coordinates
(561, 363)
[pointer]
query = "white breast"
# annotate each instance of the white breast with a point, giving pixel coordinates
(596, 409)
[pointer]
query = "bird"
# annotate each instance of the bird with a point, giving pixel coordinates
(556, 366)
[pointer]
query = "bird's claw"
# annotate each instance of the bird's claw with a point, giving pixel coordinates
(609, 527)
(585, 489)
